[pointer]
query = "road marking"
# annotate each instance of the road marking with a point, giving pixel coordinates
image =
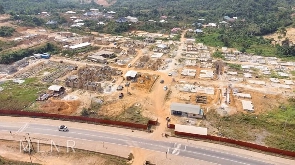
(148, 143)
(125, 146)
(128, 145)
(176, 150)
(127, 140)
(23, 128)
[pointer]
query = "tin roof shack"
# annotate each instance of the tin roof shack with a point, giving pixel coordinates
(56, 90)
(187, 110)
(97, 58)
(101, 56)
(106, 54)
(80, 46)
(131, 75)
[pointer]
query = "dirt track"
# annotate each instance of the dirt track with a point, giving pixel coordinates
(105, 3)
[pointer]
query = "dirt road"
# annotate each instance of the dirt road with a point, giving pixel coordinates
(105, 3)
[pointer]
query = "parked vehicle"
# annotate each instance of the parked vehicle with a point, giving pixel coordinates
(127, 84)
(162, 81)
(165, 88)
(120, 87)
(121, 95)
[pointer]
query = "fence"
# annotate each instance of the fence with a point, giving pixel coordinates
(152, 122)
(237, 142)
(72, 118)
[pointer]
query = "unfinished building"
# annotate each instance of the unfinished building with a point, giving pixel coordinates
(91, 78)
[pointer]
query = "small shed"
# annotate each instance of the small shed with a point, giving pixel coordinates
(187, 110)
(56, 88)
(131, 74)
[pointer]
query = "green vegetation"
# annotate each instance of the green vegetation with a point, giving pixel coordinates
(4, 161)
(71, 53)
(274, 74)
(6, 45)
(19, 96)
(6, 31)
(210, 39)
(131, 114)
(27, 20)
(260, 16)
(2, 10)
(85, 112)
(10, 57)
(278, 125)
(234, 66)
(31, 7)
(218, 54)
(292, 72)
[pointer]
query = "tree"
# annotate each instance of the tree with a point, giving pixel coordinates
(2, 10)
(6, 31)
(282, 31)
(218, 54)
(84, 112)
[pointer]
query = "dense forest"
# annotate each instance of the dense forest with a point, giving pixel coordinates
(264, 15)
(30, 7)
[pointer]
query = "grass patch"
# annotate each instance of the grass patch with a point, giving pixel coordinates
(274, 74)
(235, 66)
(4, 161)
(19, 96)
(279, 124)
(133, 115)
(292, 72)
(265, 50)
(210, 40)
(218, 54)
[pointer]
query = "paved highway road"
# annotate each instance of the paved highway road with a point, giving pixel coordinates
(161, 146)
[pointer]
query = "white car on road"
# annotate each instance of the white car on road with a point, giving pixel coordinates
(63, 128)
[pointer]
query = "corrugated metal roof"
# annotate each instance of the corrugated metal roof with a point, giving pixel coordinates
(131, 73)
(188, 108)
(54, 87)
(191, 129)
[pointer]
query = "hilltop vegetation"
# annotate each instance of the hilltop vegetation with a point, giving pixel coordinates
(37, 6)
(264, 16)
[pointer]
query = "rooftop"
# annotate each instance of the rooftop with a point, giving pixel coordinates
(131, 73)
(55, 87)
(188, 108)
(80, 45)
(191, 129)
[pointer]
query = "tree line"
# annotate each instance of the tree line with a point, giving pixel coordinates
(10, 57)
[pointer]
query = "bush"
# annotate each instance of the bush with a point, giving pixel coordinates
(6, 31)
(218, 54)
(84, 112)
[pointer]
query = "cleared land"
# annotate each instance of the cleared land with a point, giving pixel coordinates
(10, 151)
(19, 96)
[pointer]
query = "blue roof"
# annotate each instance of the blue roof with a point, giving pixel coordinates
(88, 13)
(120, 20)
(226, 17)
